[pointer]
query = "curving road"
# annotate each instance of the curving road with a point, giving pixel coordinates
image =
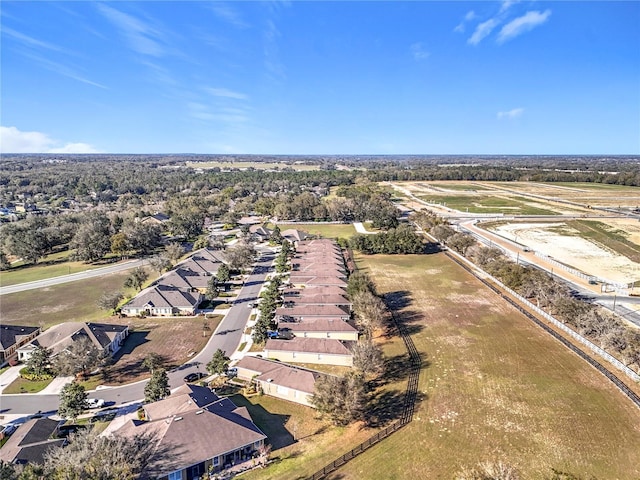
(226, 337)
(74, 277)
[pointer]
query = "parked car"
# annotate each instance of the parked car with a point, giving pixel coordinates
(272, 334)
(95, 402)
(285, 333)
(8, 429)
(193, 377)
(232, 372)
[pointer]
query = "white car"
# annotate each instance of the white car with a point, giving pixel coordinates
(95, 402)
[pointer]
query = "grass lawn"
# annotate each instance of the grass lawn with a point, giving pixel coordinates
(489, 204)
(53, 265)
(67, 302)
(493, 387)
(174, 339)
(21, 385)
(301, 443)
(326, 230)
(607, 236)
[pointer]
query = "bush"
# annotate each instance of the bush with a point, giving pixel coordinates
(28, 374)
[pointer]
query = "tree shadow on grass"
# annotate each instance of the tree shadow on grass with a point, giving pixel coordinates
(397, 300)
(388, 406)
(271, 424)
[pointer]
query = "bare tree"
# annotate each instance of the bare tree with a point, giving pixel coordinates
(460, 242)
(174, 251)
(79, 358)
(137, 278)
(367, 357)
(110, 300)
(160, 263)
(342, 399)
(370, 311)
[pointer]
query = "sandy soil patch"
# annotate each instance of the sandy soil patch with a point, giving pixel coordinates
(556, 240)
(630, 226)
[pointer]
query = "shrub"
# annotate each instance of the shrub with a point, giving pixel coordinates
(28, 374)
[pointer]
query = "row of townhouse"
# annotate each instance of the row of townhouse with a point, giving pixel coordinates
(316, 312)
(180, 291)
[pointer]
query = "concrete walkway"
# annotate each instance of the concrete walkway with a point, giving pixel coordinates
(56, 385)
(360, 229)
(8, 376)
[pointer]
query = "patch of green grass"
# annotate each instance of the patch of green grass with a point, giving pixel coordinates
(326, 230)
(493, 387)
(47, 268)
(21, 385)
(241, 346)
(67, 302)
(489, 204)
(605, 235)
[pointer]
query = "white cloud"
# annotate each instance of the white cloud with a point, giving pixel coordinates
(142, 37)
(523, 24)
(506, 5)
(228, 14)
(514, 113)
(30, 41)
(13, 140)
(482, 30)
(226, 93)
(470, 15)
(418, 51)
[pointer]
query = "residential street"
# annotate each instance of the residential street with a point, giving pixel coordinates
(226, 337)
(74, 277)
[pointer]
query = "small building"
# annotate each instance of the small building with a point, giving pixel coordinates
(294, 236)
(106, 337)
(314, 290)
(324, 351)
(156, 219)
(203, 432)
(299, 280)
(13, 337)
(31, 441)
(260, 233)
(279, 380)
(306, 299)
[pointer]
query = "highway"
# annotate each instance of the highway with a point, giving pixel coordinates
(74, 277)
(226, 337)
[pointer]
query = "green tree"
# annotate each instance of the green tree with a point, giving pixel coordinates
(39, 362)
(276, 236)
(152, 361)
(73, 401)
(4, 262)
(93, 238)
(120, 245)
(223, 275)
(137, 278)
(219, 363)
(240, 256)
(110, 300)
(158, 386)
(212, 289)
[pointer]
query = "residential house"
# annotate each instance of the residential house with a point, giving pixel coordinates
(185, 279)
(163, 301)
(31, 441)
(13, 337)
(156, 219)
(335, 328)
(294, 236)
(260, 233)
(307, 299)
(326, 351)
(196, 432)
(314, 290)
(299, 280)
(106, 337)
(280, 380)
(313, 311)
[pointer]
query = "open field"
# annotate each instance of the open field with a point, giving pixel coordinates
(494, 387)
(481, 203)
(251, 165)
(590, 246)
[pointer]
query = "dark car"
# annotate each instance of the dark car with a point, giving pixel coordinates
(192, 377)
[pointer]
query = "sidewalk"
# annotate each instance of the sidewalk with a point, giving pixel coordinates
(55, 386)
(7, 377)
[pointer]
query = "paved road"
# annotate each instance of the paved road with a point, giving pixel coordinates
(74, 277)
(226, 337)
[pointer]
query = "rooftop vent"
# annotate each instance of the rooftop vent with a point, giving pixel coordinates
(199, 412)
(177, 419)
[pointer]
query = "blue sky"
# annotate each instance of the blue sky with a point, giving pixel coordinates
(303, 77)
